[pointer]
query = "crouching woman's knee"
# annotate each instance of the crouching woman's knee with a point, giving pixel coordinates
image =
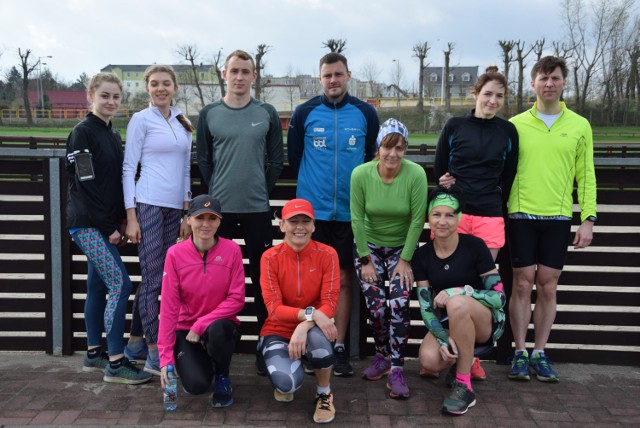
(319, 349)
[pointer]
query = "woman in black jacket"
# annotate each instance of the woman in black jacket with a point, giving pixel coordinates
(96, 222)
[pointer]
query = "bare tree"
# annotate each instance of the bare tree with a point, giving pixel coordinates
(507, 58)
(633, 86)
(27, 69)
(445, 77)
(590, 40)
(218, 70)
(371, 72)
(335, 45)
(260, 65)
(293, 87)
(1, 124)
(190, 53)
(396, 78)
(520, 57)
(420, 51)
(538, 48)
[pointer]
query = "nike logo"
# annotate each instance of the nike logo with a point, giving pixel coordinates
(298, 206)
(256, 124)
(312, 270)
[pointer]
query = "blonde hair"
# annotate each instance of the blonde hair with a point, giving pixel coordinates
(99, 78)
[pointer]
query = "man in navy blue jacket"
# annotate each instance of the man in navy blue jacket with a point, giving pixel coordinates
(328, 137)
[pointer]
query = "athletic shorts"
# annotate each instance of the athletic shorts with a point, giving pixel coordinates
(489, 229)
(542, 242)
(479, 348)
(337, 234)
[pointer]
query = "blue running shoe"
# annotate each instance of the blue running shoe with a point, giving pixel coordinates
(222, 394)
(541, 365)
(152, 363)
(519, 366)
(136, 351)
(97, 364)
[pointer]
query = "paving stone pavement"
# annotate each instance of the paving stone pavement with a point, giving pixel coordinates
(42, 390)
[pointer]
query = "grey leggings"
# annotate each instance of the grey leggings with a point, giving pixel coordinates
(286, 374)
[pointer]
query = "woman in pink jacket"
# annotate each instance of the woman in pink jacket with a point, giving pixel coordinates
(202, 293)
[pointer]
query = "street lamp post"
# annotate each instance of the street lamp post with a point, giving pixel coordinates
(40, 87)
(397, 83)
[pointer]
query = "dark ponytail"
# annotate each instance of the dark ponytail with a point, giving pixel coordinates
(185, 123)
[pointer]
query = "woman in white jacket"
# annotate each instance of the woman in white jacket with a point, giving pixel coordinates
(159, 138)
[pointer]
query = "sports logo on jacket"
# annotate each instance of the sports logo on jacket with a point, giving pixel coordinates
(320, 143)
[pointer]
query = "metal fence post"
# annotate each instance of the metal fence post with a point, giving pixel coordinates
(55, 220)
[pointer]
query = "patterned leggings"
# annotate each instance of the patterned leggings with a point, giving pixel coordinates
(389, 317)
(106, 275)
(286, 374)
(159, 227)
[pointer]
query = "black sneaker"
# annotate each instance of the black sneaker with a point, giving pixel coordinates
(261, 369)
(306, 364)
(459, 401)
(341, 367)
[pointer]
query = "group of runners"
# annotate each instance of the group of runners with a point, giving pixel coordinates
(359, 212)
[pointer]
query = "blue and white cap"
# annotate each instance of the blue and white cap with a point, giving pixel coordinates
(392, 126)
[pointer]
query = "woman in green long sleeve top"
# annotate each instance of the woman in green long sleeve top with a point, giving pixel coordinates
(388, 205)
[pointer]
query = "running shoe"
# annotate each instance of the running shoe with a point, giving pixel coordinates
(222, 394)
(459, 401)
(519, 366)
(477, 372)
(261, 369)
(325, 411)
(379, 367)
(306, 365)
(541, 365)
(97, 364)
(397, 385)
(136, 351)
(282, 397)
(127, 373)
(429, 374)
(341, 367)
(152, 364)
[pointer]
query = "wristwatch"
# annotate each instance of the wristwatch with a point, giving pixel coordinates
(308, 313)
(591, 218)
(468, 290)
(364, 260)
(185, 213)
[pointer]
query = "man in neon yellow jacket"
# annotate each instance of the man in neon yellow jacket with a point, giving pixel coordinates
(556, 150)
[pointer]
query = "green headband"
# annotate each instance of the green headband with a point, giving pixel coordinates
(444, 199)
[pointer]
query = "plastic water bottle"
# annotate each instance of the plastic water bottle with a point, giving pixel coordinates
(171, 391)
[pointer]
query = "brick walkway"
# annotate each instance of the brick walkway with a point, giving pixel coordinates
(37, 389)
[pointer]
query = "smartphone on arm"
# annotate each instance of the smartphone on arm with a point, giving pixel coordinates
(84, 166)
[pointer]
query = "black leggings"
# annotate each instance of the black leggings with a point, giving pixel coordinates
(197, 363)
(256, 230)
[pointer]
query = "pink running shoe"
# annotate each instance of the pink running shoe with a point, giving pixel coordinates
(379, 367)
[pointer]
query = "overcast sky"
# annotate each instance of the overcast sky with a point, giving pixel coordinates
(86, 35)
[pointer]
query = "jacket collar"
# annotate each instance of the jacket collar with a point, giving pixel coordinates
(331, 105)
